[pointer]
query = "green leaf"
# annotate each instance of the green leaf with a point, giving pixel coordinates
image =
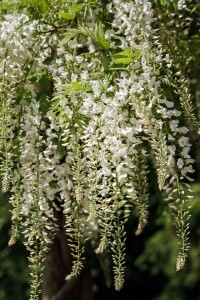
(6, 5)
(92, 3)
(118, 69)
(43, 6)
(36, 77)
(71, 14)
(127, 53)
(105, 61)
(196, 7)
(196, 37)
(125, 57)
(75, 9)
(77, 86)
(163, 2)
(87, 87)
(99, 29)
(68, 37)
(101, 41)
(53, 184)
(34, 3)
(70, 34)
(22, 4)
(97, 75)
(66, 15)
(135, 55)
(122, 60)
(86, 31)
(50, 59)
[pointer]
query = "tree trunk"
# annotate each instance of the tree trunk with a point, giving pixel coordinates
(57, 266)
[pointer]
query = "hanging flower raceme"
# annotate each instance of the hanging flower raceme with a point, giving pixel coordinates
(83, 110)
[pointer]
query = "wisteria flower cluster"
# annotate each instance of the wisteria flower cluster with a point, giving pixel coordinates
(82, 112)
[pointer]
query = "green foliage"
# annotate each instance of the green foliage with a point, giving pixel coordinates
(100, 39)
(158, 258)
(71, 14)
(13, 261)
(4, 5)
